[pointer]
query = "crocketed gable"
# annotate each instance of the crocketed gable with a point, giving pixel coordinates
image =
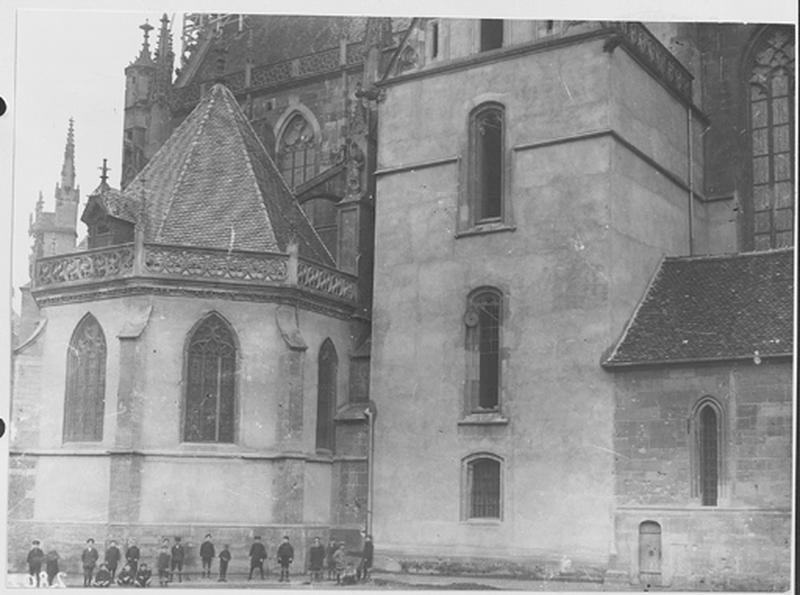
(712, 308)
(213, 185)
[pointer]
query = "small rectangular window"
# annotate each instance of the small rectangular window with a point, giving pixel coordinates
(491, 34)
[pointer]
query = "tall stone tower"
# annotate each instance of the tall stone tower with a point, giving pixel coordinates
(148, 82)
(55, 232)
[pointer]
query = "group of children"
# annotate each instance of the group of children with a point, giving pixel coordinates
(169, 562)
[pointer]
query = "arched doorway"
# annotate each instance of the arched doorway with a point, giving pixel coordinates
(650, 554)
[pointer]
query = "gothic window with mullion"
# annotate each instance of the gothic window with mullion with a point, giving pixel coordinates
(209, 409)
(296, 151)
(483, 320)
(85, 383)
(771, 214)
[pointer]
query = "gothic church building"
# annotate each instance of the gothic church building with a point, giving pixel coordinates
(513, 296)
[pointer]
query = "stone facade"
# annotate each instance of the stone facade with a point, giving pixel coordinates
(744, 542)
(618, 146)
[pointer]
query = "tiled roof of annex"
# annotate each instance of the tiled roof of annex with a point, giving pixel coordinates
(712, 308)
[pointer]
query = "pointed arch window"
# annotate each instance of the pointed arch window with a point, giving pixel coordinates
(327, 370)
(85, 383)
(296, 154)
(708, 460)
(209, 411)
(771, 214)
(483, 320)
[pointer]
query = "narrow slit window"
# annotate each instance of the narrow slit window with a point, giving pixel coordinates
(709, 455)
(434, 39)
(483, 319)
(487, 164)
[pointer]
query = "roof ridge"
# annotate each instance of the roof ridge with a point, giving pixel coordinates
(185, 165)
(728, 255)
(248, 160)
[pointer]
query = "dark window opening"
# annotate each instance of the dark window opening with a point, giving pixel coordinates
(483, 345)
(491, 34)
(296, 155)
(86, 383)
(210, 386)
(487, 164)
(328, 363)
(484, 489)
(709, 460)
(434, 40)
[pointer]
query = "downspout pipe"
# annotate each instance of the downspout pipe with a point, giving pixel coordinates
(690, 181)
(368, 413)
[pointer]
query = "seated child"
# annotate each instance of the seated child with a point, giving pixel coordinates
(143, 576)
(125, 578)
(103, 576)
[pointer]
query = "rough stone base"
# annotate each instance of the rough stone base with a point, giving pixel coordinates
(490, 567)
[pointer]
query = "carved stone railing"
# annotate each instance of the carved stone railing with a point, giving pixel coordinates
(100, 264)
(201, 263)
(221, 267)
(646, 47)
(322, 279)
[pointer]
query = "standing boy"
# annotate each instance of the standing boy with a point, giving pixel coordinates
(35, 558)
(162, 563)
(206, 555)
(329, 551)
(366, 559)
(224, 558)
(316, 558)
(177, 559)
(285, 558)
(51, 566)
(258, 553)
(132, 556)
(89, 559)
(112, 558)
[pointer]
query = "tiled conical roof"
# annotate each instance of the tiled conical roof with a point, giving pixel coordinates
(213, 185)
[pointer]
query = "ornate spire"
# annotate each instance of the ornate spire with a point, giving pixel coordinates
(144, 54)
(104, 172)
(164, 57)
(68, 169)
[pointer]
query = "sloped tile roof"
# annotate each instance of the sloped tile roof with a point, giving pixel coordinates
(712, 308)
(113, 202)
(213, 185)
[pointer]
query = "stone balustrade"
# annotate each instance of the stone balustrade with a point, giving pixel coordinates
(222, 267)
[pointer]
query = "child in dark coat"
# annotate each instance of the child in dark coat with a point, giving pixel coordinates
(224, 558)
(143, 576)
(177, 559)
(285, 558)
(206, 555)
(126, 576)
(112, 558)
(162, 563)
(88, 560)
(103, 576)
(51, 566)
(258, 553)
(316, 558)
(35, 559)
